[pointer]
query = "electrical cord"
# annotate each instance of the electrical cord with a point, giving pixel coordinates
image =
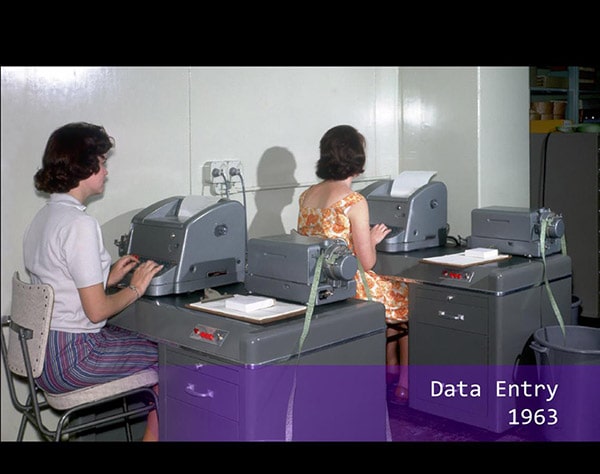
(237, 172)
(226, 184)
(543, 170)
(232, 172)
(458, 241)
(453, 239)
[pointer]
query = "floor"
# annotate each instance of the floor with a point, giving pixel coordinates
(409, 425)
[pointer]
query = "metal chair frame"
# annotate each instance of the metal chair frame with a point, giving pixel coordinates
(38, 402)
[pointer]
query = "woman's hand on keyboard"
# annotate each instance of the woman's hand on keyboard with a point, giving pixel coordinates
(143, 274)
(121, 268)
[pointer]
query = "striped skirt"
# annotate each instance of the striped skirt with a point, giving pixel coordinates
(76, 360)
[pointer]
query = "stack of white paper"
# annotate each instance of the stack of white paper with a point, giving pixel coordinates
(408, 182)
(248, 303)
(481, 252)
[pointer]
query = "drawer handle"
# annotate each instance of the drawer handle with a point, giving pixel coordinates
(454, 317)
(191, 389)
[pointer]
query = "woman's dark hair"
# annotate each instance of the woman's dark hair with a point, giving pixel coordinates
(71, 155)
(342, 151)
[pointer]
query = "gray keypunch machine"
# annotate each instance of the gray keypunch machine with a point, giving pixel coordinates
(200, 246)
(224, 379)
(417, 221)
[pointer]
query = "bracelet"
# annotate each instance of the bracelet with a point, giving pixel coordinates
(133, 288)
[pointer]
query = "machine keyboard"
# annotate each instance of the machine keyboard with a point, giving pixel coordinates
(167, 265)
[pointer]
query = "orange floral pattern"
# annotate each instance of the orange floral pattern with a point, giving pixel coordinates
(333, 223)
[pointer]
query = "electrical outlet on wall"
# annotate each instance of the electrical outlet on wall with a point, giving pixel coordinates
(212, 171)
(233, 164)
(218, 174)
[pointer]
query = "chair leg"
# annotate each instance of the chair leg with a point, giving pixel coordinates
(127, 424)
(21, 433)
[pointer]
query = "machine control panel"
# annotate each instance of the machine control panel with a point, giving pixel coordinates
(457, 274)
(209, 334)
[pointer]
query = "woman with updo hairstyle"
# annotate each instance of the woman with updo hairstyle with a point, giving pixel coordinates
(331, 209)
(63, 248)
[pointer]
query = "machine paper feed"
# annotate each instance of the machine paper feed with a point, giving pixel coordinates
(190, 205)
(407, 182)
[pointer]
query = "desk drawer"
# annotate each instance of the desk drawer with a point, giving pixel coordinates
(196, 364)
(186, 423)
(449, 309)
(203, 391)
(449, 295)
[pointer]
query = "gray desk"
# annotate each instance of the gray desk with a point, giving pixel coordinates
(223, 379)
(474, 325)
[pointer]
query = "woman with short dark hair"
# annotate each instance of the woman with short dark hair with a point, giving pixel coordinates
(63, 247)
(331, 209)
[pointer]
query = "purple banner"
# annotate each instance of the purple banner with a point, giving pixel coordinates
(348, 403)
(544, 403)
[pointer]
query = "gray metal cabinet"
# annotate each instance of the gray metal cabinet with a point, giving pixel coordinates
(565, 176)
(223, 379)
(314, 400)
(463, 343)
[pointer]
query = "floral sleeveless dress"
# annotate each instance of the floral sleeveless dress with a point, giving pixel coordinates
(333, 223)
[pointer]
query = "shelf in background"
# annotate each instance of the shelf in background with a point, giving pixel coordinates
(581, 95)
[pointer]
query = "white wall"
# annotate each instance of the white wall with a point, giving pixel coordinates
(470, 124)
(503, 169)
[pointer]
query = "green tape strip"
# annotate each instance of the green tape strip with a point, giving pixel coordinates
(364, 279)
(310, 306)
(555, 307)
(311, 302)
